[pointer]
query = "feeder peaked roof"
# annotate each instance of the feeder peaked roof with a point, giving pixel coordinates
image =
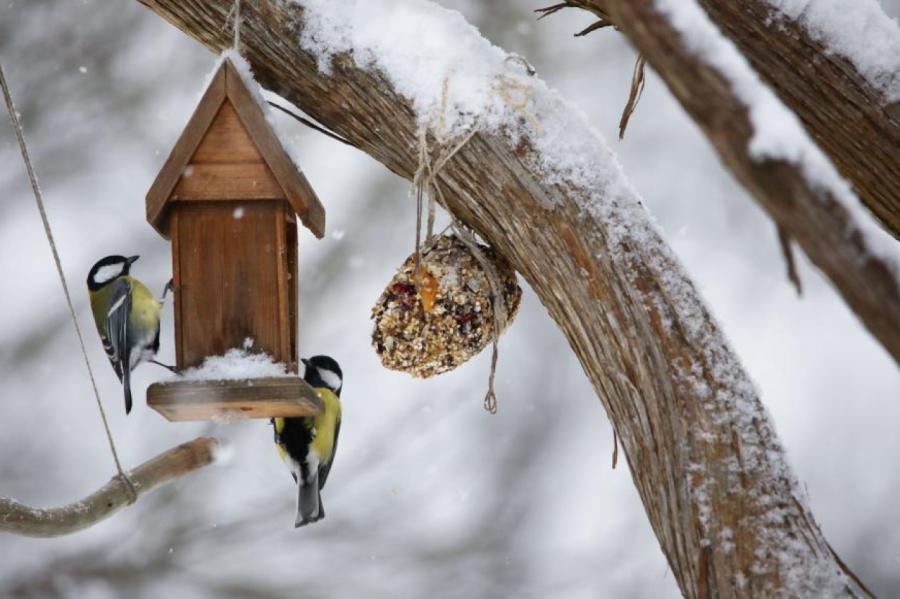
(202, 165)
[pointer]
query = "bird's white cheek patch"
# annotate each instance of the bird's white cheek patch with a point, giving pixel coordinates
(108, 273)
(329, 378)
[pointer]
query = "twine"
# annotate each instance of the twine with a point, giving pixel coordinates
(425, 184)
(39, 198)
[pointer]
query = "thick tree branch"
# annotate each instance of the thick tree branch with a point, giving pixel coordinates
(846, 115)
(807, 213)
(703, 454)
(20, 519)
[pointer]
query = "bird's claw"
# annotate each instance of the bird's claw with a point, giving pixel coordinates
(170, 286)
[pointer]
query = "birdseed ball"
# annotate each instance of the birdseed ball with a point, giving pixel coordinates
(446, 319)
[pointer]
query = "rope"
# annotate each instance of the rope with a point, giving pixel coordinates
(497, 301)
(425, 181)
(39, 198)
(237, 25)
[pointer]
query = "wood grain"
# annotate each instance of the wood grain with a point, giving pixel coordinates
(232, 181)
(273, 397)
(284, 311)
(296, 188)
(229, 127)
(161, 189)
(226, 140)
(228, 289)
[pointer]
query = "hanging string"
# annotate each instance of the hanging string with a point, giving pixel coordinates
(39, 198)
(516, 94)
(425, 182)
(236, 44)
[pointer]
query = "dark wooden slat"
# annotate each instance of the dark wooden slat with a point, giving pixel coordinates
(273, 397)
(176, 281)
(168, 176)
(281, 266)
(293, 285)
(244, 181)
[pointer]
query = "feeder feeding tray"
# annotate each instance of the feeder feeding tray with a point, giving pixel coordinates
(281, 397)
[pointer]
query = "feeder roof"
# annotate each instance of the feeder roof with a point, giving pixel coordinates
(234, 85)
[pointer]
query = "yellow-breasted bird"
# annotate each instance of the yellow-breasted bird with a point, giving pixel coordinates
(127, 317)
(307, 445)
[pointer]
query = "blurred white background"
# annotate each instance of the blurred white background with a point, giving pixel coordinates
(429, 495)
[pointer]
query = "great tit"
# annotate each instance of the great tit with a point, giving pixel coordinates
(127, 317)
(307, 445)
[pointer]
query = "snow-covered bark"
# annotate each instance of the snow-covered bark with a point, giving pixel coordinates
(767, 149)
(836, 64)
(545, 190)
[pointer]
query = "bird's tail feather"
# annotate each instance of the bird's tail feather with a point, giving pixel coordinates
(126, 384)
(309, 502)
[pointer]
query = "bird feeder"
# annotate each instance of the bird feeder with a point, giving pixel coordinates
(228, 197)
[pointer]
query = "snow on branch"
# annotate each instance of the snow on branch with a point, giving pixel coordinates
(20, 519)
(543, 188)
(859, 31)
(770, 153)
(836, 64)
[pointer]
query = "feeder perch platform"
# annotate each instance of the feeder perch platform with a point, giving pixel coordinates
(273, 397)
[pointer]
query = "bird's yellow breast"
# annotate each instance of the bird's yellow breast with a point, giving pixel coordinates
(145, 308)
(326, 423)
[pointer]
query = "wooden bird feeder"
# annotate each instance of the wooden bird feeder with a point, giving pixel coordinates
(228, 197)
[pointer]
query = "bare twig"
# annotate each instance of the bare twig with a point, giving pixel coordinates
(310, 124)
(637, 88)
(615, 456)
(594, 27)
(20, 519)
(549, 10)
(788, 251)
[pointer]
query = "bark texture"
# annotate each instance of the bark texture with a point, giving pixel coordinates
(20, 519)
(701, 449)
(848, 117)
(809, 215)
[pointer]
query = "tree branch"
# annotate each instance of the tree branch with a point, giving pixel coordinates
(702, 451)
(812, 216)
(20, 519)
(844, 113)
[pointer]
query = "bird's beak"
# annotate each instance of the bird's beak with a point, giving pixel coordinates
(131, 260)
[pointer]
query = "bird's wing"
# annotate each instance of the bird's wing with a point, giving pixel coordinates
(325, 468)
(116, 341)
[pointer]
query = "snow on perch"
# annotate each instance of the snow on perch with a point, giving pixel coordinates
(236, 364)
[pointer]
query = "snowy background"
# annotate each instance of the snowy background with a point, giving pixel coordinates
(430, 495)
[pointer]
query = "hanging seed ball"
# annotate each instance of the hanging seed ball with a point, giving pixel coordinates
(446, 319)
